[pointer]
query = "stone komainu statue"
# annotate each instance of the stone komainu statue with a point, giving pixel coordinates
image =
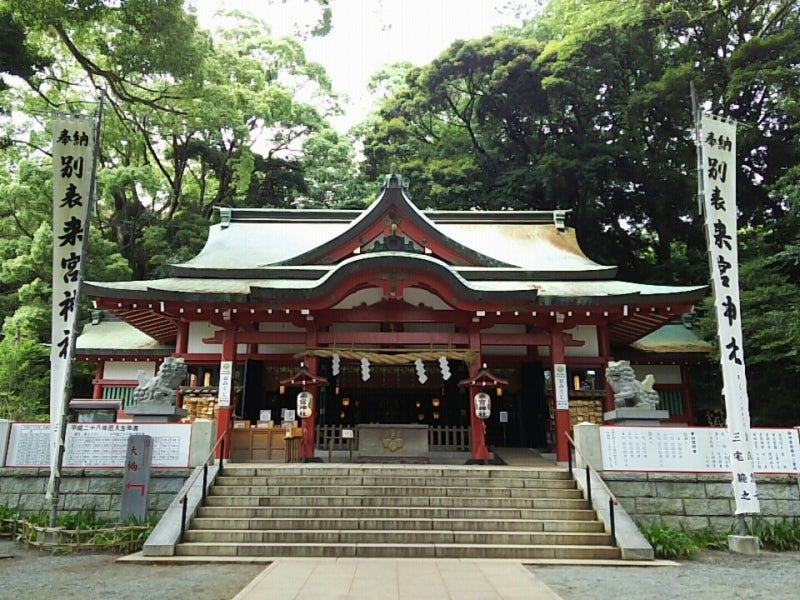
(622, 379)
(161, 389)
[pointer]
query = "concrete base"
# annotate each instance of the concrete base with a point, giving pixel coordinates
(167, 532)
(744, 544)
(631, 415)
(631, 542)
(156, 413)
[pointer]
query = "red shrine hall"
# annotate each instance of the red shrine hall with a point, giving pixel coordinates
(453, 321)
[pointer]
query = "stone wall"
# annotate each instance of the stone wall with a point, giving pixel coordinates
(100, 489)
(698, 500)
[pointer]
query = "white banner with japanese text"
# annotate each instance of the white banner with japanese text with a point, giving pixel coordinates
(73, 158)
(719, 184)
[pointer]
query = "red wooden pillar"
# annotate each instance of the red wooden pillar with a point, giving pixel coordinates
(477, 433)
(224, 420)
(97, 390)
(310, 423)
(477, 429)
(688, 401)
(604, 343)
(182, 340)
(562, 416)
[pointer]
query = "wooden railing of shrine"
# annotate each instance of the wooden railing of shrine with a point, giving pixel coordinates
(440, 438)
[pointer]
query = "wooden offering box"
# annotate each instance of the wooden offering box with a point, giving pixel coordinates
(258, 444)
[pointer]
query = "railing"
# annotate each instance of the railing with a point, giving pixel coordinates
(184, 500)
(440, 438)
(453, 438)
(612, 499)
(329, 437)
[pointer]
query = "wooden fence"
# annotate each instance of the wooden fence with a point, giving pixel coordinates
(443, 439)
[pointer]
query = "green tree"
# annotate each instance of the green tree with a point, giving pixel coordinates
(587, 107)
(770, 316)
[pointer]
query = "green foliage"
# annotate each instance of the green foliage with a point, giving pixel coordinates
(24, 379)
(16, 57)
(710, 539)
(208, 122)
(674, 542)
(84, 518)
(82, 529)
(670, 542)
(781, 535)
(678, 542)
(770, 317)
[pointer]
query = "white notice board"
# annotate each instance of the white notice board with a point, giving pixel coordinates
(98, 444)
(694, 449)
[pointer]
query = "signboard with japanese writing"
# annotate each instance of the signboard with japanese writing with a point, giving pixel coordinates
(719, 184)
(561, 386)
(695, 449)
(225, 382)
(136, 478)
(98, 444)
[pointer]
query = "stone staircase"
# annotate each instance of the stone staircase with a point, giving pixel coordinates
(391, 511)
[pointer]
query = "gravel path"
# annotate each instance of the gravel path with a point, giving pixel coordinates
(717, 575)
(33, 574)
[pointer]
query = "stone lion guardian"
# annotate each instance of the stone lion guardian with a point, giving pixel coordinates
(627, 390)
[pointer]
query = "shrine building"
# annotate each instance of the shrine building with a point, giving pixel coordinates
(404, 315)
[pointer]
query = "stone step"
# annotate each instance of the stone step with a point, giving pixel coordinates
(397, 537)
(332, 470)
(396, 491)
(398, 501)
(393, 513)
(387, 481)
(419, 511)
(418, 524)
(544, 552)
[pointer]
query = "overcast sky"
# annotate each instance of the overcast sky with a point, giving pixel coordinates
(368, 34)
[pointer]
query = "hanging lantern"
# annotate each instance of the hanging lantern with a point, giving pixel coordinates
(305, 404)
(483, 405)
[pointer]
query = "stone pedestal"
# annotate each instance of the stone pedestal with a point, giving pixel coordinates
(393, 442)
(156, 413)
(743, 544)
(631, 415)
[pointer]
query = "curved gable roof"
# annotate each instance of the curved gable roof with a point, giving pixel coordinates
(302, 244)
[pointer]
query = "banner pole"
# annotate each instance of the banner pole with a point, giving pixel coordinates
(57, 462)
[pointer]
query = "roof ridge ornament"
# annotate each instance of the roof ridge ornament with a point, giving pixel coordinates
(395, 180)
(224, 216)
(559, 216)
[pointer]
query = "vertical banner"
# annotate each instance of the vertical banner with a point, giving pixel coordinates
(561, 386)
(73, 171)
(718, 147)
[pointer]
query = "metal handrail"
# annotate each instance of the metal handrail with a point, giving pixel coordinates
(612, 499)
(184, 498)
